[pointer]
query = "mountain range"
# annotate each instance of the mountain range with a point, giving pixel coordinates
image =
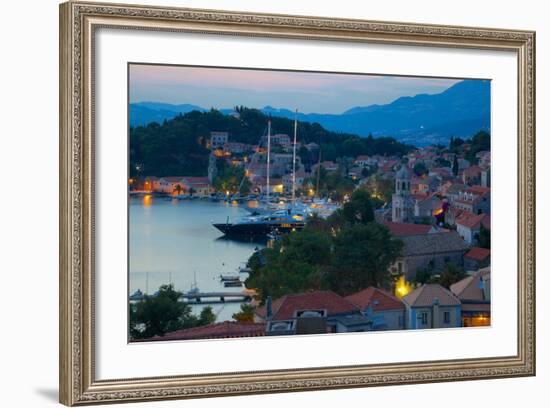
(423, 119)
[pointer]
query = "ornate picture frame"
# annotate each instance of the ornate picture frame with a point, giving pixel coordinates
(79, 22)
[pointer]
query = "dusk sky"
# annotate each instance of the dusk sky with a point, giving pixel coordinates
(306, 91)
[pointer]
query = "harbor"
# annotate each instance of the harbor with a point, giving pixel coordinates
(173, 241)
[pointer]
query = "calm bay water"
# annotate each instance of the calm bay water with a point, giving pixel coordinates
(174, 241)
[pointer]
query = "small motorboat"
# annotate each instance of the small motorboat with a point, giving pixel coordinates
(233, 284)
(229, 278)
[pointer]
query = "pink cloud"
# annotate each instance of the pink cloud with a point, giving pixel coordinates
(259, 80)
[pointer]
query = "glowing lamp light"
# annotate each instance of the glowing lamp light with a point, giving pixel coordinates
(402, 287)
(437, 212)
(147, 200)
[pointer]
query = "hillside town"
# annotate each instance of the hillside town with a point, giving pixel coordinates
(435, 200)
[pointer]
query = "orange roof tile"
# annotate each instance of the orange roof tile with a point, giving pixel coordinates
(478, 254)
(376, 298)
(221, 330)
(468, 288)
(478, 190)
(401, 229)
(470, 220)
(425, 295)
(285, 307)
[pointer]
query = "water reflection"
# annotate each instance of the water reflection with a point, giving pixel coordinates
(171, 240)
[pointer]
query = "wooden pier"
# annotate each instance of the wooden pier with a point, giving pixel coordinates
(216, 297)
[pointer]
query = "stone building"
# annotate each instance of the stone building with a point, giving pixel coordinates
(218, 139)
(431, 251)
(402, 200)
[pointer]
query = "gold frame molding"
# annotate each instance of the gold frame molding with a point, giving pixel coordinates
(78, 22)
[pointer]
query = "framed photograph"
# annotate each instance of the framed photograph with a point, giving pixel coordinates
(256, 203)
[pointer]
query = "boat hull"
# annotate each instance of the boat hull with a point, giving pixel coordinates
(258, 229)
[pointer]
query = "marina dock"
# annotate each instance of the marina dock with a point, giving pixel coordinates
(216, 297)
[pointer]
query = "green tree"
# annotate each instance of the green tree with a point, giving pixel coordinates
(159, 314)
(426, 275)
(359, 208)
(178, 145)
(455, 166)
(163, 312)
(484, 237)
(420, 169)
(455, 143)
(246, 314)
(481, 141)
(423, 275)
(451, 274)
(441, 162)
(363, 254)
(380, 187)
(231, 178)
(207, 316)
(293, 265)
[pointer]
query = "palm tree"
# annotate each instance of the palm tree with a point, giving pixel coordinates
(178, 189)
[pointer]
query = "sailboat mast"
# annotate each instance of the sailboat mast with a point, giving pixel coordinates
(294, 158)
(268, 157)
(318, 170)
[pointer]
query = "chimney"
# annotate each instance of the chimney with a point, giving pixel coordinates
(435, 313)
(481, 286)
(268, 308)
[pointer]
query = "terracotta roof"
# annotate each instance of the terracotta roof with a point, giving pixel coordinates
(401, 229)
(478, 190)
(470, 220)
(221, 330)
(457, 212)
(440, 170)
(456, 187)
(425, 295)
(472, 171)
(420, 196)
(478, 254)
(432, 244)
(284, 308)
(430, 196)
(468, 288)
(172, 179)
(197, 181)
(378, 299)
(362, 157)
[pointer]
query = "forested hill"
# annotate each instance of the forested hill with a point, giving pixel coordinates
(423, 119)
(178, 146)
